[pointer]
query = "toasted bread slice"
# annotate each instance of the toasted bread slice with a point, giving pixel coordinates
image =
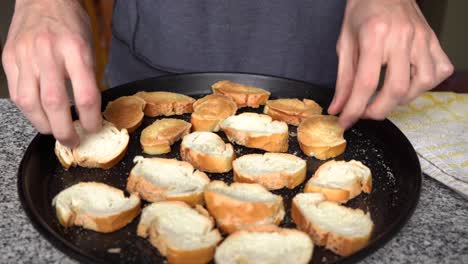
(257, 131)
(272, 170)
(340, 181)
(292, 111)
(158, 179)
(95, 206)
(242, 205)
(166, 103)
(102, 149)
(125, 112)
(207, 151)
(341, 229)
(321, 136)
(180, 233)
(268, 244)
(158, 137)
(243, 95)
(211, 110)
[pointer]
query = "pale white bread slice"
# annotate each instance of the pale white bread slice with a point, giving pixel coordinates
(166, 103)
(125, 112)
(292, 110)
(272, 170)
(242, 205)
(158, 179)
(179, 232)
(340, 181)
(95, 206)
(257, 131)
(340, 229)
(158, 137)
(207, 151)
(243, 95)
(321, 136)
(211, 110)
(102, 149)
(267, 244)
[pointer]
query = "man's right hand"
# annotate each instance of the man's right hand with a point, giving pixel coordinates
(49, 42)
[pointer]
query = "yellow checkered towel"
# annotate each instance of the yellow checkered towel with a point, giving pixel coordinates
(436, 123)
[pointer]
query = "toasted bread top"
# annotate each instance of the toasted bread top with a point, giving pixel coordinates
(125, 111)
(206, 142)
(225, 86)
(162, 97)
(320, 130)
(163, 131)
(339, 174)
(214, 106)
(246, 192)
(268, 163)
(294, 106)
(258, 124)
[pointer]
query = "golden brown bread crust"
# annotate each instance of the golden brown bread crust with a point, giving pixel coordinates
(341, 245)
(166, 103)
(210, 110)
(206, 162)
(321, 136)
(125, 112)
(243, 95)
(273, 142)
(292, 111)
(159, 136)
(233, 214)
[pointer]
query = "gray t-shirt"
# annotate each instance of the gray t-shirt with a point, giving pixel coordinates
(290, 38)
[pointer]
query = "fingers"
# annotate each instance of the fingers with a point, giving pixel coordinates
(53, 93)
(371, 42)
(78, 63)
(11, 70)
(443, 67)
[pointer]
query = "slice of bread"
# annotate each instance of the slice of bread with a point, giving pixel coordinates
(158, 179)
(292, 110)
(268, 244)
(243, 95)
(257, 131)
(125, 112)
(321, 136)
(166, 103)
(211, 110)
(340, 229)
(158, 137)
(102, 149)
(207, 151)
(95, 206)
(242, 205)
(272, 170)
(179, 232)
(340, 181)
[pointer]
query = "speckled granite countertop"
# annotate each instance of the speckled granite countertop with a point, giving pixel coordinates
(436, 233)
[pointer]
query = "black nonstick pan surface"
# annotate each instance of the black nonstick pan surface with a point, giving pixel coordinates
(378, 144)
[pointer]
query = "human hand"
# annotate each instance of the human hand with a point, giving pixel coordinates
(385, 32)
(48, 42)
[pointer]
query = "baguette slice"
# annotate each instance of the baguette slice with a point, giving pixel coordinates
(340, 181)
(257, 131)
(292, 111)
(268, 244)
(340, 229)
(158, 179)
(95, 206)
(211, 110)
(179, 232)
(102, 149)
(207, 151)
(125, 112)
(242, 205)
(321, 136)
(243, 95)
(166, 103)
(272, 170)
(158, 137)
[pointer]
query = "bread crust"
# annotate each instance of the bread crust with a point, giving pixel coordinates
(158, 137)
(206, 162)
(211, 110)
(274, 180)
(272, 142)
(321, 137)
(292, 110)
(166, 103)
(233, 214)
(243, 95)
(125, 112)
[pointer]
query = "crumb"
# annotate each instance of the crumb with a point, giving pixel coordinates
(324, 259)
(114, 250)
